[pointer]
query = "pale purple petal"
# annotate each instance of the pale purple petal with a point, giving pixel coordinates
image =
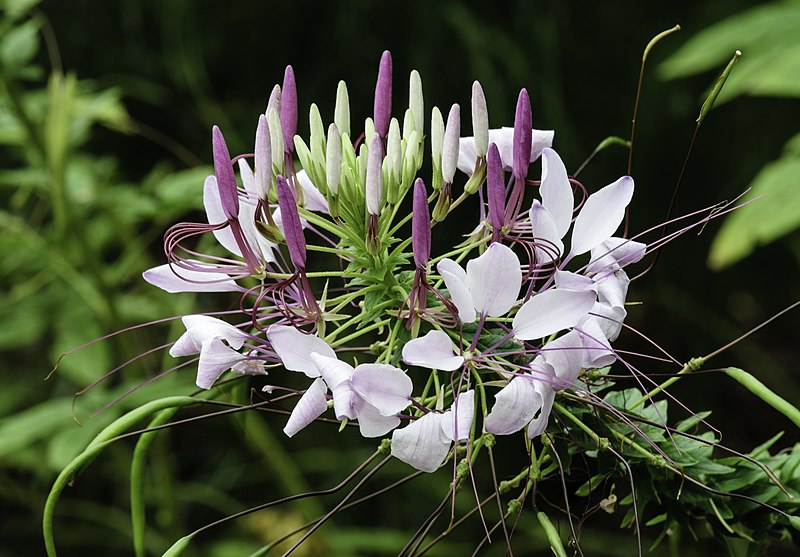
(216, 215)
(176, 279)
(515, 405)
(434, 351)
(613, 288)
(467, 155)
(601, 215)
(556, 191)
(565, 355)
(216, 358)
(248, 178)
(598, 350)
(537, 426)
(548, 243)
(314, 200)
(458, 420)
(615, 253)
(346, 402)
(201, 328)
(609, 318)
(372, 423)
(504, 139)
(573, 281)
(494, 280)
(333, 371)
(295, 348)
(310, 407)
(422, 444)
(551, 311)
(455, 279)
(385, 387)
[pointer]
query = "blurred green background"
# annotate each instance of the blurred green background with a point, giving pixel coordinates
(105, 113)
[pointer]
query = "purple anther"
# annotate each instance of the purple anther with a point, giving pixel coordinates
(289, 109)
(383, 95)
(421, 226)
(292, 229)
(523, 134)
(226, 180)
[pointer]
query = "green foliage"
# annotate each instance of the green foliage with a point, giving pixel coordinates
(769, 37)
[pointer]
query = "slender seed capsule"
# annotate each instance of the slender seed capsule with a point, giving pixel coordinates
(421, 226)
(289, 109)
(496, 190)
(480, 120)
(450, 145)
(333, 160)
(374, 166)
(263, 158)
(341, 113)
(522, 136)
(226, 180)
(383, 95)
(416, 102)
(292, 229)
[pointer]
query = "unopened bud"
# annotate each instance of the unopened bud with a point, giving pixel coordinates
(374, 167)
(480, 120)
(523, 135)
(496, 189)
(421, 226)
(416, 103)
(292, 229)
(450, 145)
(276, 138)
(274, 99)
(333, 160)
(317, 136)
(289, 108)
(383, 95)
(437, 137)
(263, 159)
(226, 180)
(341, 114)
(394, 151)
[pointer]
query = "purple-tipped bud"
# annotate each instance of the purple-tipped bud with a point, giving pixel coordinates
(523, 135)
(383, 95)
(374, 168)
(496, 189)
(274, 99)
(292, 229)
(226, 180)
(289, 109)
(450, 145)
(421, 226)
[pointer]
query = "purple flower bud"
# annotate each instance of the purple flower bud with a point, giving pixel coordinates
(292, 229)
(496, 189)
(523, 136)
(383, 95)
(289, 109)
(226, 180)
(421, 225)
(263, 158)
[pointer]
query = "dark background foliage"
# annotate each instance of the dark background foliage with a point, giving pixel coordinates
(181, 66)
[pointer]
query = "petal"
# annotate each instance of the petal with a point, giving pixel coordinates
(515, 405)
(612, 289)
(310, 407)
(609, 319)
(458, 420)
(333, 371)
(539, 423)
(314, 200)
(385, 387)
(494, 280)
(549, 245)
(346, 403)
(455, 279)
(556, 191)
(615, 253)
(565, 355)
(216, 358)
(598, 351)
(551, 311)
(295, 348)
(434, 351)
(262, 247)
(372, 423)
(601, 215)
(467, 155)
(216, 215)
(504, 138)
(573, 281)
(201, 328)
(248, 179)
(422, 444)
(175, 279)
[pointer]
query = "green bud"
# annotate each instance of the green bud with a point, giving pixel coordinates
(476, 180)
(442, 206)
(411, 162)
(416, 102)
(437, 138)
(333, 160)
(369, 130)
(408, 123)
(341, 114)
(317, 137)
(276, 139)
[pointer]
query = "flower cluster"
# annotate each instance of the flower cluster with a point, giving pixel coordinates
(454, 351)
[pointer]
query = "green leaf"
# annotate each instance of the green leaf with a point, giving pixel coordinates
(34, 424)
(19, 46)
(766, 219)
